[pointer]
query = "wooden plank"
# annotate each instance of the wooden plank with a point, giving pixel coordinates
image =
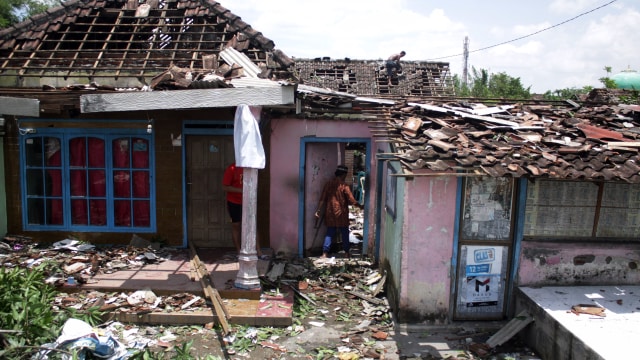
(510, 330)
(187, 99)
(209, 290)
(623, 144)
(19, 106)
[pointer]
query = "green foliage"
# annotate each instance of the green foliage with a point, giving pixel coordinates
(13, 11)
(632, 98)
(567, 93)
(488, 85)
(92, 316)
(607, 81)
(25, 305)
(324, 353)
(184, 352)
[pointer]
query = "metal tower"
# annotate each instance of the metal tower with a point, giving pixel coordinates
(465, 59)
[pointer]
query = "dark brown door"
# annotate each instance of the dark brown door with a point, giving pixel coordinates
(207, 220)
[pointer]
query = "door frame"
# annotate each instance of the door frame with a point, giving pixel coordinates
(517, 222)
(194, 127)
(301, 181)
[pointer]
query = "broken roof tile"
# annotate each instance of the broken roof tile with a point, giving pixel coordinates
(560, 140)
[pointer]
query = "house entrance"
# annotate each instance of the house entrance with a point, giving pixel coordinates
(206, 158)
(321, 157)
(484, 248)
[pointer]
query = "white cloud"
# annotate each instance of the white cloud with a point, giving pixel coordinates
(571, 54)
(573, 6)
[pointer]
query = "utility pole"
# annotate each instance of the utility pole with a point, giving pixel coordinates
(465, 59)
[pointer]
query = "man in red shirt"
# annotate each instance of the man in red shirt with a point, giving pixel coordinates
(232, 185)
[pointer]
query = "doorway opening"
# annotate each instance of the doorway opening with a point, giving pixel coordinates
(319, 160)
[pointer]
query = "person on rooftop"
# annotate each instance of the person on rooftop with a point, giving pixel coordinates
(393, 65)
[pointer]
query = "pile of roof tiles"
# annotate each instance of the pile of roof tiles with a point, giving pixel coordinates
(559, 140)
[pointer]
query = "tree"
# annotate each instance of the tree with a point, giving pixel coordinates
(487, 85)
(607, 81)
(14, 11)
(567, 93)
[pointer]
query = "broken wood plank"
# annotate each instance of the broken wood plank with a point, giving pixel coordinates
(512, 328)
(368, 298)
(209, 290)
(624, 144)
(380, 285)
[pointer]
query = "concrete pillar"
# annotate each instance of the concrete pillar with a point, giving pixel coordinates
(247, 277)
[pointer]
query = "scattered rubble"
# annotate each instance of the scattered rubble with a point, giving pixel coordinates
(78, 261)
(340, 311)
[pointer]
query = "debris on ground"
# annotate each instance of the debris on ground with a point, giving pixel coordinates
(589, 309)
(78, 261)
(340, 311)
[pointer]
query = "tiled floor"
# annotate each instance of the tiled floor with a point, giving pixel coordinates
(175, 275)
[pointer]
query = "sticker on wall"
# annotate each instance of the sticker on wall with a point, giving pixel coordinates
(213, 148)
(482, 290)
(483, 269)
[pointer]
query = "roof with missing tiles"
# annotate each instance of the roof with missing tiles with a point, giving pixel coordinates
(115, 39)
(369, 77)
(559, 140)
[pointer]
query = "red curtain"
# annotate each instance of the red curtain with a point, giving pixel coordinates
(140, 158)
(87, 210)
(121, 186)
(53, 159)
(97, 183)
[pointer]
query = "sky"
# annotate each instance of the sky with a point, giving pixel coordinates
(548, 44)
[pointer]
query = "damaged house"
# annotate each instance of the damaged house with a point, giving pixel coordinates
(119, 121)
(119, 118)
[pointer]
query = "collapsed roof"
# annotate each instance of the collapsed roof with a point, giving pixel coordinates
(126, 42)
(556, 140)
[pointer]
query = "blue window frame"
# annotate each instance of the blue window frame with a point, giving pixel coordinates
(88, 180)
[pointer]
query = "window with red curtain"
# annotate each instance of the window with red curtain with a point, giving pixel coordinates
(86, 164)
(43, 181)
(131, 182)
(87, 181)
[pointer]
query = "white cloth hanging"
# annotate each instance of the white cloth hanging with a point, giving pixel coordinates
(247, 141)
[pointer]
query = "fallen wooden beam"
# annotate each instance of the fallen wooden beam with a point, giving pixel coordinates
(510, 330)
(209, 290)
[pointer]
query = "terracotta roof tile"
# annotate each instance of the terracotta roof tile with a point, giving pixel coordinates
(551, 140)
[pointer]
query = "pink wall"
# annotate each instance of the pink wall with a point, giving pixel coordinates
(284, 165)
(427, 248)
(544, 264)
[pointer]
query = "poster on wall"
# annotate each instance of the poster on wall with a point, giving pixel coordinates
(483, 269)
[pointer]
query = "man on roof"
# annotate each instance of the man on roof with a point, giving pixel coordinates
(393, 65)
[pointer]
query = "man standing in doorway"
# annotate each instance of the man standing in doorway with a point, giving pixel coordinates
(232, 185)
(335, 200)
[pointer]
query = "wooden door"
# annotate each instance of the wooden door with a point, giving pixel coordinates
(207, 220)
